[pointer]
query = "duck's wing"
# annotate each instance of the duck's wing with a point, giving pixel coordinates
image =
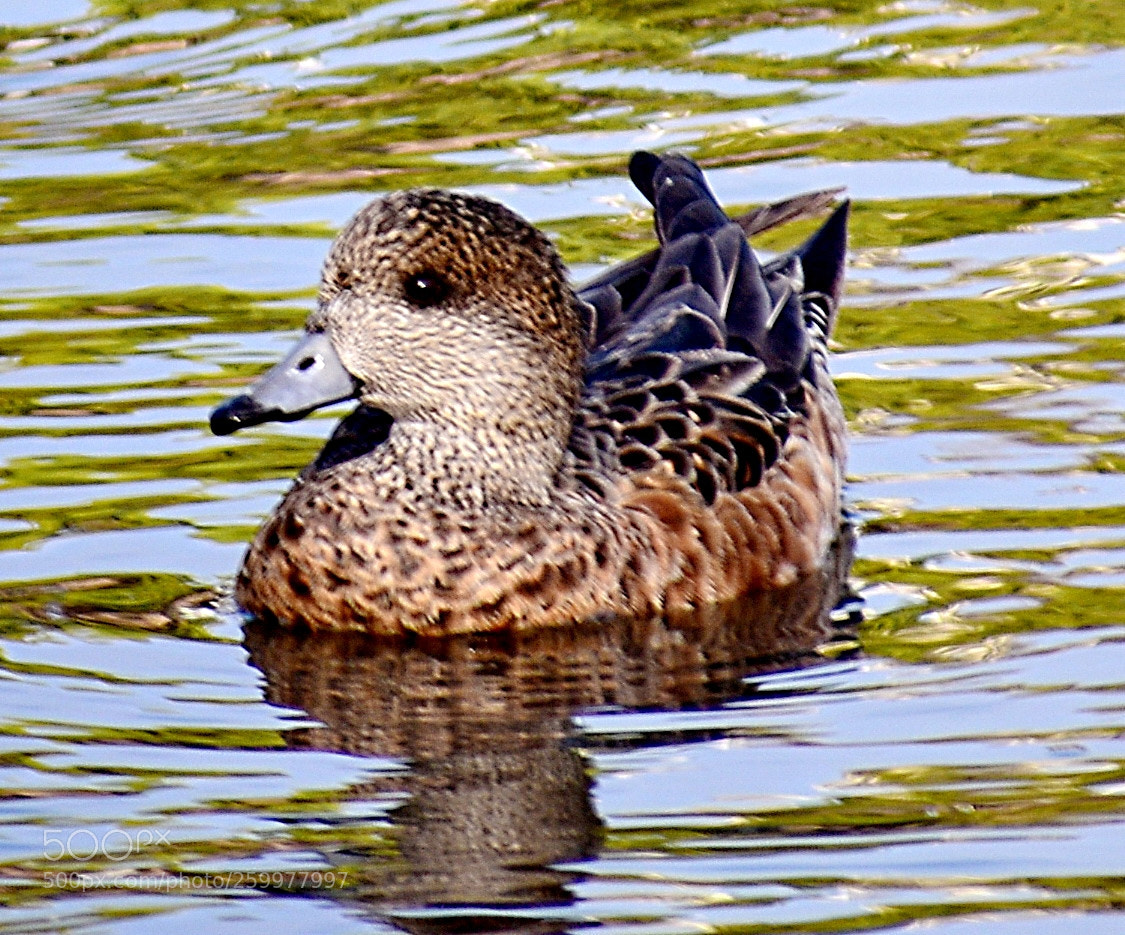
(705, 355)
(611, 295)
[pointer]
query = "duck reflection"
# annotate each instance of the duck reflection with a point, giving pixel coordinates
(498, 792)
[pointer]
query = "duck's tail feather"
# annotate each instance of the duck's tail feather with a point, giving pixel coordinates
(823, 258)
(796, 208)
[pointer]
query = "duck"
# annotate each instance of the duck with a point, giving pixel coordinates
(527, 454)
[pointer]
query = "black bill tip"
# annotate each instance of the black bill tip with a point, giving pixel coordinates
(239, 413)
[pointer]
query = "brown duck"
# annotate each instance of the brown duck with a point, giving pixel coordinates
(663, 439)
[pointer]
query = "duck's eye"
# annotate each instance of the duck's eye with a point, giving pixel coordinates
(425, 289)
(342, 279)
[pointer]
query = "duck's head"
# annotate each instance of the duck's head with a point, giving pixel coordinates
(437, 308)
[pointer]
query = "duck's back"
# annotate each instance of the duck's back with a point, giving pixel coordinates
(708, 398)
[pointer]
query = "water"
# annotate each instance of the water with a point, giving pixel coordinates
(170, 177)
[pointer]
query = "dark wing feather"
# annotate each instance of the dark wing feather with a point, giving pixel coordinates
(617, 289)
(699, 350)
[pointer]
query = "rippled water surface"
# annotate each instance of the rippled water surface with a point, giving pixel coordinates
(171, 173)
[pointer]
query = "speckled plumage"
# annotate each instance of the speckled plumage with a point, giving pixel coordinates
(526, 456)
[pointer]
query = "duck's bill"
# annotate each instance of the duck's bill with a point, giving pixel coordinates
(311, 376)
